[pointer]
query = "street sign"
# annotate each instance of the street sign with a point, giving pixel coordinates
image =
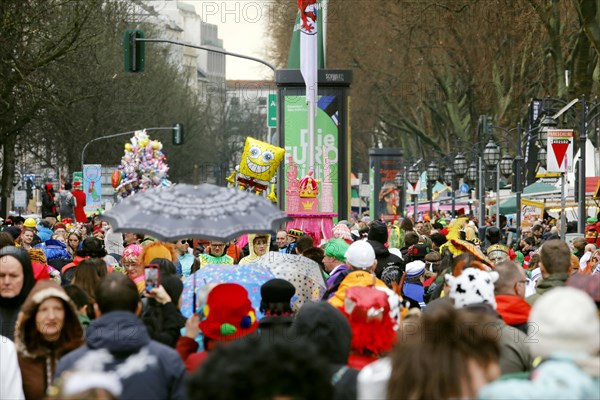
(364, 190)
(272, 111)
(78, 177)
(413, 190)
(20, 199)
(463, 188)
(560, 150)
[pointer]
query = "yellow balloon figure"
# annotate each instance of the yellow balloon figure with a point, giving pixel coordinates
(259, 164)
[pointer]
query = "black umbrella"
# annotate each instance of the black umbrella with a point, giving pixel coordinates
(184, 211)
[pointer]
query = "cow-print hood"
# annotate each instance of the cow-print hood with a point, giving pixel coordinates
(471, 287)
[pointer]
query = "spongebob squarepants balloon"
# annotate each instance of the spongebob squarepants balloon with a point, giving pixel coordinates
(259, 164)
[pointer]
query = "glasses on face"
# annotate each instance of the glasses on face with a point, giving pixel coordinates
(217, 244)
(183, 241)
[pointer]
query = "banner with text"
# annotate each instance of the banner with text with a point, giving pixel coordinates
(531, 211)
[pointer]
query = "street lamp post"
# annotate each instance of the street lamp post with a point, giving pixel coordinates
(472, 177)
(433, 174)
(491, 157)
(413, 179)
(449, 176)
(399, 181)
(460, 169)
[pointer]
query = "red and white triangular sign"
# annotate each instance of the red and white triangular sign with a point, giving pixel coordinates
(560, 150)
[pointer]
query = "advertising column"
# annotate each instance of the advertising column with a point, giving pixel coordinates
(385, 164)
(92, 186)
(332, 136)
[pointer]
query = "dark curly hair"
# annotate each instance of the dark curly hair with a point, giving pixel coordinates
(256, 369)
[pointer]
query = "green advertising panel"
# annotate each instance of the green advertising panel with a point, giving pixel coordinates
(326, 138)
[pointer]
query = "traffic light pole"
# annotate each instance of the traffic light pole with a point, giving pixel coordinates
(227, 53)
(162, 128)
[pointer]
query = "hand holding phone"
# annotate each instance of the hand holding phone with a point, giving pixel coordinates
(152, 275)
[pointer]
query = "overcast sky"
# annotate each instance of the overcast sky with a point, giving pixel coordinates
(242, 26)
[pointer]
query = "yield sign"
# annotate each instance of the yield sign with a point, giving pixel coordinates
(560, 150)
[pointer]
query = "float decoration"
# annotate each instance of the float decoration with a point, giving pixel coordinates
(259, 164)
(303, 202)
(143, 166)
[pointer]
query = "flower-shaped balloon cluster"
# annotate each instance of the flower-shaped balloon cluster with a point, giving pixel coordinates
(143, 166)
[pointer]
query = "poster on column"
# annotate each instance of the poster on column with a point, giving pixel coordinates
(326, 138)
(560, 150)
(531, 211)
(385, 164)
(92, 186)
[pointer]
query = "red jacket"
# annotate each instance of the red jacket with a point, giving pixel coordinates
(187, 347)
(79, 212)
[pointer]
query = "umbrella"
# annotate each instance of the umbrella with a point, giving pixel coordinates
(250, 276)
(183, 211)
(302, 272)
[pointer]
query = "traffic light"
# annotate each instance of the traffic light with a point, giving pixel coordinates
(133, 50)
(487, 124)
(29, 185)
(178, 134)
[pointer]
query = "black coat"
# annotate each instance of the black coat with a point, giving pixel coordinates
(390, 267)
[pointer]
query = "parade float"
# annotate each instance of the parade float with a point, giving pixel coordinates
(309, 201)
(143, 166)
(310, 213)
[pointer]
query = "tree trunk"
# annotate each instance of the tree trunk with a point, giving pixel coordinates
(8, 171)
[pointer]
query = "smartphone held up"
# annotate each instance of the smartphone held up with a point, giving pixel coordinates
(152, 275)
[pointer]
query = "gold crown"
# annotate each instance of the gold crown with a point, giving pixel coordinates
(309, 192)
(308, 205)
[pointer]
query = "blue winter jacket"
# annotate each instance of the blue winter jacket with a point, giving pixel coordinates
(44, 233)
(119, 342)
(555, 378)
(54, 249)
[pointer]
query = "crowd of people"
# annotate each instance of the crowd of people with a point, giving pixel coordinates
(412, 310)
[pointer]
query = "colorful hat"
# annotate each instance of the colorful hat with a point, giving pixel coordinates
(30, 223)
(417, 251)
(336, 248)
(295, 233)
(415, 269)
(158, 250)
(497, 252)
(229, 313)
(132, 253)
(342, 231)
(368, 311)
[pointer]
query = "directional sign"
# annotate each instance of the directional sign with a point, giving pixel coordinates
(560, 150)
(20, 199)
(272, 111)
(463, 188)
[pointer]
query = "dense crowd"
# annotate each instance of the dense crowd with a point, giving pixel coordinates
(411, 310)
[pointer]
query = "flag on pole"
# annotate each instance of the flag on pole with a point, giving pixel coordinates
(308, 47)
(294, 54)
